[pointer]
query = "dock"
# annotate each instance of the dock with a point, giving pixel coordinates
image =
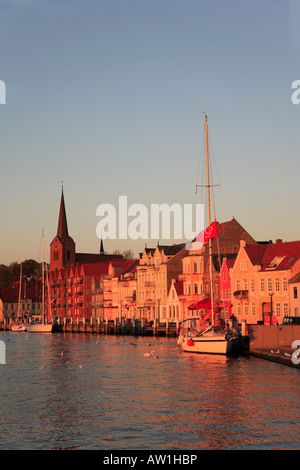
(113, 327)
(281, 355)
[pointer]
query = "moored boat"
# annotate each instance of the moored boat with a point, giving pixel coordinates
(17, 327)
(211, 340)
(213, 337)
(41, 326)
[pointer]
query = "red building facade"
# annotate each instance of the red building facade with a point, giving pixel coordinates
(71, 283)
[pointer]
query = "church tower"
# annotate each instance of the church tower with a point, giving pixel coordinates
(62, 248)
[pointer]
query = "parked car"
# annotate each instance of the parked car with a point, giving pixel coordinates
(290, 320)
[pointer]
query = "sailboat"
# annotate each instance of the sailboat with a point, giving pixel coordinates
(19, 326)
(41, 327)
(194, 335)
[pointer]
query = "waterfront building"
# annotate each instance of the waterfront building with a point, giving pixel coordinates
(30, 300)
(195, 268)
(72, 276)
(259, 280)
(294, 291)
(155, 271)
(119, 291)
(174, 311)
(225, 287)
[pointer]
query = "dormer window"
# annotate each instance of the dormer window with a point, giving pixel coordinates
(275, 262)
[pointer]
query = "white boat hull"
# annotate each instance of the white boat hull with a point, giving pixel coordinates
(40, 328)
(214, 344)
(18, 328)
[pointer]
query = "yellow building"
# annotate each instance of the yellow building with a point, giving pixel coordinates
(156, 269)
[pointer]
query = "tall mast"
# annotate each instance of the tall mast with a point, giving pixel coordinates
(20, 288)
(207, 172)
(43, 280)
(209, 222)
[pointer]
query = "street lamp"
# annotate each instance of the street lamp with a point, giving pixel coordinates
(271, 300)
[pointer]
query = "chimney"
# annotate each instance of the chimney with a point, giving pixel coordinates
(279, 240)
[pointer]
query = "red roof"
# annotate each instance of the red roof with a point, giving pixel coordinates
(274, 256)
(129, 267)
(179, 287)
(11, 294)
(84, 258)
(255, 253)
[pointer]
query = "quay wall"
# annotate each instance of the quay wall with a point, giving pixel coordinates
(273, 336)
(96, 326)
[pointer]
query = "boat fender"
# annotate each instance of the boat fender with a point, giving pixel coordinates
(190, 342)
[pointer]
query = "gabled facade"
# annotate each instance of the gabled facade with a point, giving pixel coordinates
(195, 267)
(174, 311)
(157, 267)
(259, 281)
(119, 291)
(225, 288)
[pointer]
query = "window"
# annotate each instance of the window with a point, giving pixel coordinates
(295, 293)
(277, 284)
(244, 283)
(285, 285)
(195, 288)
(253, 308)
(195, 267)
(246, 308)
(238, 286)
(269, 284)
(277, 309)
(243, 264)
(238, 308)
(262, 284)
(224, 276)
(285, 309)
(252, 285)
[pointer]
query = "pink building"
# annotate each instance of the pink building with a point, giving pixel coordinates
(119, 291)
(195, 268)
(259, 281)
(225, 288)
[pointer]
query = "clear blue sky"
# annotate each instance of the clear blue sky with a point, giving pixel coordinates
(109, 95)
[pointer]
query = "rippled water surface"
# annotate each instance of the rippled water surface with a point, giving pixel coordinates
(76, 391)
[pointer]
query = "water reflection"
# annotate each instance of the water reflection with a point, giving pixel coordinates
(101, 392)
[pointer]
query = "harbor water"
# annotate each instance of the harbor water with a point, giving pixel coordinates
(98, 392)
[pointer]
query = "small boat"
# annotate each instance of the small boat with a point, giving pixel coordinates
(19, 325)
(16, 327)
(41, 326)
(213, 338)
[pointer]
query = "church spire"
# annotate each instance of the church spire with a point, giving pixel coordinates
(62, 229)
(101, 247)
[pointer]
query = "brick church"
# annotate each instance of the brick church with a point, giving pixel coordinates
(72, 276)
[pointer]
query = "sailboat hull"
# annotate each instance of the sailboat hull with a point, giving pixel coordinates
(40, 328)
(18, 328)
(215, 344)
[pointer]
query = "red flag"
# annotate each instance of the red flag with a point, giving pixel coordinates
(210, 232)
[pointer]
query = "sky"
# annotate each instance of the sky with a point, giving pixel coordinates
(109, 96)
